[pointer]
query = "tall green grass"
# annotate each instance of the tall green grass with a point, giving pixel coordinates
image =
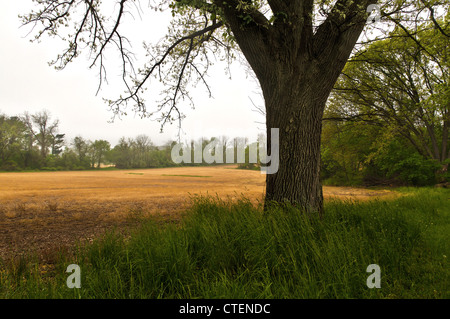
(235, 250)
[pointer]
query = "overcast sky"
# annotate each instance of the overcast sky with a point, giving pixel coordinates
(28, 83)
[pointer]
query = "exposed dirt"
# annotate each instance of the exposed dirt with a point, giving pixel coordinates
(44, 212)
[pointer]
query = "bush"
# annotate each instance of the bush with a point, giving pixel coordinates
(395, 160)
(250, 166)
(416, 170)
(10, 166)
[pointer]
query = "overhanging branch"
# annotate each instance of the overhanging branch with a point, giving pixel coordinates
(195, 40)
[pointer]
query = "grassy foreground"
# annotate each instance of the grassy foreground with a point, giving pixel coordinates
(234, 250)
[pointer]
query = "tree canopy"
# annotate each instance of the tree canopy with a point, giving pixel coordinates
(394, 83)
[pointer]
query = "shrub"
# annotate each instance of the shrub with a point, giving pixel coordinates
(10, 166)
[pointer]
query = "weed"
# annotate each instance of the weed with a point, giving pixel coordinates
(52, 206)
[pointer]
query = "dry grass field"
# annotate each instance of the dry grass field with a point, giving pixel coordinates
(47, 211)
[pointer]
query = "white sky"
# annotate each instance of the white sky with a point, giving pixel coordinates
(28, 83)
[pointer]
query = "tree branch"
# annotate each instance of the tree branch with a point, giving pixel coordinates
(195, 40)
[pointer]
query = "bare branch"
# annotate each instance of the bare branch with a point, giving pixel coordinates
(195, 40)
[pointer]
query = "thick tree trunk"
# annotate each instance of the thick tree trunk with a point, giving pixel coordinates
(295, 107)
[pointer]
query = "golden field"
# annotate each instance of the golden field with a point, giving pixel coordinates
(46, 211)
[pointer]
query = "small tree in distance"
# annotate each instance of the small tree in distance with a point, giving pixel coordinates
(99, 148)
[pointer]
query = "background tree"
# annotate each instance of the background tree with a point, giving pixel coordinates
(12, 134)
(345, 148)
(99, 150)
(121, 154)
(395, 84)
(143, 147)
(41, 130)
(57, 143)
(81, 147)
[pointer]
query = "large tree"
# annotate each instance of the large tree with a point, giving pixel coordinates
(296, 49)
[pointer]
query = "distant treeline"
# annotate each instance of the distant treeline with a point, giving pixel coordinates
(353, 153)
(34, 142)
(140, 152)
